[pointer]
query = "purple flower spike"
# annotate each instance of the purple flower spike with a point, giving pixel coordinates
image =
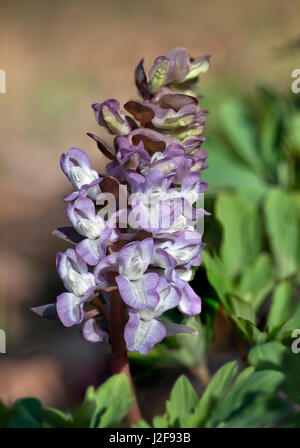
(133, 228)
(109, 115)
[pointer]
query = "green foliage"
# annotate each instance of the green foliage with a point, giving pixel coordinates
(248, 401)
(283, 228)
(183, 399)
(241, 232)
(25, 413)
(276, 356)
(241, 131)
(227, 172)
(102, 408)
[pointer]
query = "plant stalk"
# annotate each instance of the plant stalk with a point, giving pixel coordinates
(119, 357)
(201, 371)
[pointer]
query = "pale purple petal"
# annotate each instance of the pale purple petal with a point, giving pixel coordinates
(69, 309)
(92, 331)
(190, 303)
(139, 293)
(74, 157)
(104, 270)
(141, 336)
(135, 257)
(89, 250)
(77, 167)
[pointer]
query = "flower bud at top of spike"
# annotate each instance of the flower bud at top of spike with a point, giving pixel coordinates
(109, 115)
(198, 67)
(158, 74)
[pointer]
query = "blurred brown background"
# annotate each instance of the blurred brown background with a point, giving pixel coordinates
(59, 58)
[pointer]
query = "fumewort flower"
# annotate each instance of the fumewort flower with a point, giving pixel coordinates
(142, 247)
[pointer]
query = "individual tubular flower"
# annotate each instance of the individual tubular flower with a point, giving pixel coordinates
(131, 262)
(142, 252)
(145, 328)
(77, 167)
(92, 227)
(174, 68)
(79, 283)
(184, 246)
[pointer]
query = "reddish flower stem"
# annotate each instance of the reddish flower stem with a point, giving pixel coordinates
(119, 358)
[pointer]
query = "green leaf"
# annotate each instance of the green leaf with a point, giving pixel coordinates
(292, 323)
(5, 414)
(241, 131)
(274, 355)
(271, 133)
(257, 280)
(26, 413)
(212, 396)
(293, 131)
(141, 424)
(113, 401)
(262, 412)
(241, 232)
(161, 421)
(225, 171)
(249, 330)
(240, 308)
(83, 415)
(54, 418)
(106, 406)
(248, 386)
(280, 308)
(217, 276)
(282, 224)
(182, 400)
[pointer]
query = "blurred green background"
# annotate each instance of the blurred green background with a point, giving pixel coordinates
(59, 58)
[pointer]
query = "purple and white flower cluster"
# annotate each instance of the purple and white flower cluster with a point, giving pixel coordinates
(157, 157)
